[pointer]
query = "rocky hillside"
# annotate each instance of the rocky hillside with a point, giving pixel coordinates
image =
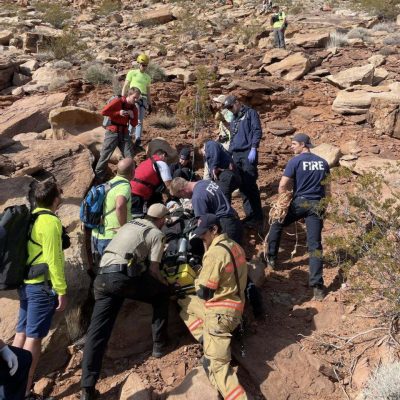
(338, 80)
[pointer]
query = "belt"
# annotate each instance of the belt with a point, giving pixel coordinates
(110, 269)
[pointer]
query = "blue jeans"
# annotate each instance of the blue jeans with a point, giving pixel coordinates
(279, 38)
(98, 247)
(13, 387)
(37, 305)
(299, 209)
(142, 107)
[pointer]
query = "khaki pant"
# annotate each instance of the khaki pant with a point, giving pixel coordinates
(216, 332)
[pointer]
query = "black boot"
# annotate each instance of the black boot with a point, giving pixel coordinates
(89, 393)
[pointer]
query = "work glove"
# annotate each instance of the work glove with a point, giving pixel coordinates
(10, 358)
(149, 109)
(252, 155)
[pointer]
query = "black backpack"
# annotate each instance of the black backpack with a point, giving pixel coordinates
(15, 230)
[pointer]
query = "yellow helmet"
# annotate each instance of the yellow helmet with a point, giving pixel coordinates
(143, 59)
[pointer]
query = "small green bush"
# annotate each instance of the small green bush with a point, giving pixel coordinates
(99, 74)
(163, 121)
(359, 33)
(156, 72)
(337, 39)
(67, 46)
(247, 34)
(53, 13)
(107, 7)
(385, 27)
(393, 40)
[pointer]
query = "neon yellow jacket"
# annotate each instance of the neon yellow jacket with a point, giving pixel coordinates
(47, 231)
(281, 20)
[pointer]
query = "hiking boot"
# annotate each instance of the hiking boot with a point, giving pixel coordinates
(89, 393)
(271, 261)
(161, 349)
(319, 293)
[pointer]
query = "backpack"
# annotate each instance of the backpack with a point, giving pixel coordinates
(107, 120)
(92, 206)
(16, 224)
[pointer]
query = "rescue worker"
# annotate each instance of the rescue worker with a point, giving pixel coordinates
(121, 113)
(130, 268)
(208, 198)
(216, 310)
(117, 207)
(224, 118)
(141, 79)
(306, 173)
(245, 139)
(279, 24)
(182, 168)
(221, 167)
(151, 178)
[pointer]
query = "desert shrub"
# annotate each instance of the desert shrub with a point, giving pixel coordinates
(393, 40)
(195, 110)
(99, 74)
(337, 39)
(156, 72)
(53, 13)
(384, 8)
(189, 26)
(163, 121)
(246, 34)
(387, 51)
(384, 384)
(67, 46)
(107, 7)
(57, 83)
(366, 248)
(359, 33)
(385, 26)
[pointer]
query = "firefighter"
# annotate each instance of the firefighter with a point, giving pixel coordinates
(216, 310)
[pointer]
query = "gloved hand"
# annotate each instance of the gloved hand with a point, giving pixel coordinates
(149, 109)
(252, 155)
(10, 358)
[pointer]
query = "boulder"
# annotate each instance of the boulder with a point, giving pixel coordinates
(29, 114)
(43, 77)
(159, 16)
(7, 69)
(134, 389)
(181, 73)
(328, 152)
(28, 67)
(377, 60)
(5, 37)
(353, 76)
(20, 79)
(384, 116)
(280, 128)
(311, 40)
(196, 386)
(33, 40)
(291, 68)
(274, 55)
(380, 75)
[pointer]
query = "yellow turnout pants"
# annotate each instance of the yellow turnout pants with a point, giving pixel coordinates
(216, 332)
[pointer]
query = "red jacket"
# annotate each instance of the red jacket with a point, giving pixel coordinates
(146, 179)
(112, 110)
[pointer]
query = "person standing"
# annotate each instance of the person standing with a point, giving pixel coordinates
(306, 173)
(44, 292)
(117, 207)
(129, 269)
(121, 112)
(245, 139)
(221, 167)
(216, 310)
(14, 370)
(279, 24)
(139, 78)
(224, 118)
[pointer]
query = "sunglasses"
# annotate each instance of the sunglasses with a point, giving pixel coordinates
(144, 65)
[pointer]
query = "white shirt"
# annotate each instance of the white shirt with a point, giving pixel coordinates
(164, 171)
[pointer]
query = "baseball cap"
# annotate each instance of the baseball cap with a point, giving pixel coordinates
(185, 153)
(220, 99)
(303, 138)
(204, 223)
(157, 210)
(229, 101)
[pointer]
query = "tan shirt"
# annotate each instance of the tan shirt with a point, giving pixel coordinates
(139, 238)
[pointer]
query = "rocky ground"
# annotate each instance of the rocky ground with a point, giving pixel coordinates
(338, 81)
